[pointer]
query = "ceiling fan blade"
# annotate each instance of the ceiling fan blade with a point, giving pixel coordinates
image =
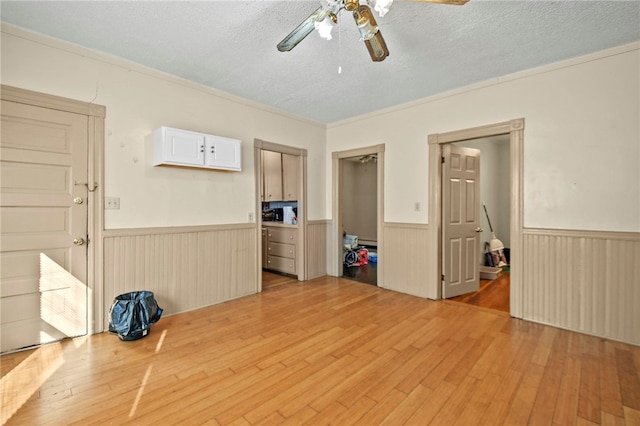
(302, 30)
(454, 2)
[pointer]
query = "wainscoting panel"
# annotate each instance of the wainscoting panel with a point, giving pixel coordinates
(317, 248)
(406, 258)
(583, 281)
(186, 268)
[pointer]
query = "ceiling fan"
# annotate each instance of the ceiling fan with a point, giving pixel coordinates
(326, 16)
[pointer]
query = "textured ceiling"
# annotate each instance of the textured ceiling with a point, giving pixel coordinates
(231, 45)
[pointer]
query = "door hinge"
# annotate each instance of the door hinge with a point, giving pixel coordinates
(442, 159)
(442, 277)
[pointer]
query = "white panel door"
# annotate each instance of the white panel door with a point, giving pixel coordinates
(460, 220)
(43, 206)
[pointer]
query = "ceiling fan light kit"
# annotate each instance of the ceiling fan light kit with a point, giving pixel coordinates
(326, 16)
(370, 33)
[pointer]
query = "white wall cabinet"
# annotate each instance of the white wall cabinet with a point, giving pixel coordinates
(177, 147)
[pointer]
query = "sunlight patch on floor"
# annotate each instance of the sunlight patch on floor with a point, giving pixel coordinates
(17, 386)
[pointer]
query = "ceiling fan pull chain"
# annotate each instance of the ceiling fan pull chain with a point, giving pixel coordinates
(339, 46)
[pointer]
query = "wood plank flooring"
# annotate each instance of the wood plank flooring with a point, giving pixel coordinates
(328, 351)
(493, 294)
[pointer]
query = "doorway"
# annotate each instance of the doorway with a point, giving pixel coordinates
(358, 182)
(51, 203)
(494, 222)
(359, 198)
(281, 201)
(513, 131)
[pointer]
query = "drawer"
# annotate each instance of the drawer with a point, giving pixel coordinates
(282, 250)
(282, 235)
(281, 264)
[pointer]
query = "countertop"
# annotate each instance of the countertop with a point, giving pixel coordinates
(270, 224)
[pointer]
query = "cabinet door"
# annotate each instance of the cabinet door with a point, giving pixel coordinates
(290, 177)
(222, 153)
(272, 173)
(183, 148)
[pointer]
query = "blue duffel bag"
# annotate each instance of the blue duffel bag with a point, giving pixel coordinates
(132, 314)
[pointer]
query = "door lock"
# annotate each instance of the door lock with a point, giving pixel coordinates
(79, 241)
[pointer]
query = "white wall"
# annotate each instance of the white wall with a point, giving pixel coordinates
(581, 141)
(138, 100)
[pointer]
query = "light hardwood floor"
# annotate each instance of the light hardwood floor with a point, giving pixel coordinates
(328, 351)
(493, 294)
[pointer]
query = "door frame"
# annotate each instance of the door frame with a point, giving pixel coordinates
(337, 251)
(515, 129)
(95, 173)
(301, 153)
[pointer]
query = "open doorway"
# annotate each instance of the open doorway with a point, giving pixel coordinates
(358, 182)
(495, 218)
(281, 212)
(359, 198)
(514, 131)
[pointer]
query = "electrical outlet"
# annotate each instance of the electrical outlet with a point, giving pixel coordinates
(112, 203)
(416, 206)
(250, 217)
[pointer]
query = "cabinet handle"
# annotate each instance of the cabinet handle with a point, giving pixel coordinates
(213, 149)
(201, 148)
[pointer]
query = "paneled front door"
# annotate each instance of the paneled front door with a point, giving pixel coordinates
(43, 206)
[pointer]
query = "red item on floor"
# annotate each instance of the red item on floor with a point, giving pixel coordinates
(363, 256)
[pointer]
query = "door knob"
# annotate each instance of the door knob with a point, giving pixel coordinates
(478, 229)
(78, 200)
(78, 241)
